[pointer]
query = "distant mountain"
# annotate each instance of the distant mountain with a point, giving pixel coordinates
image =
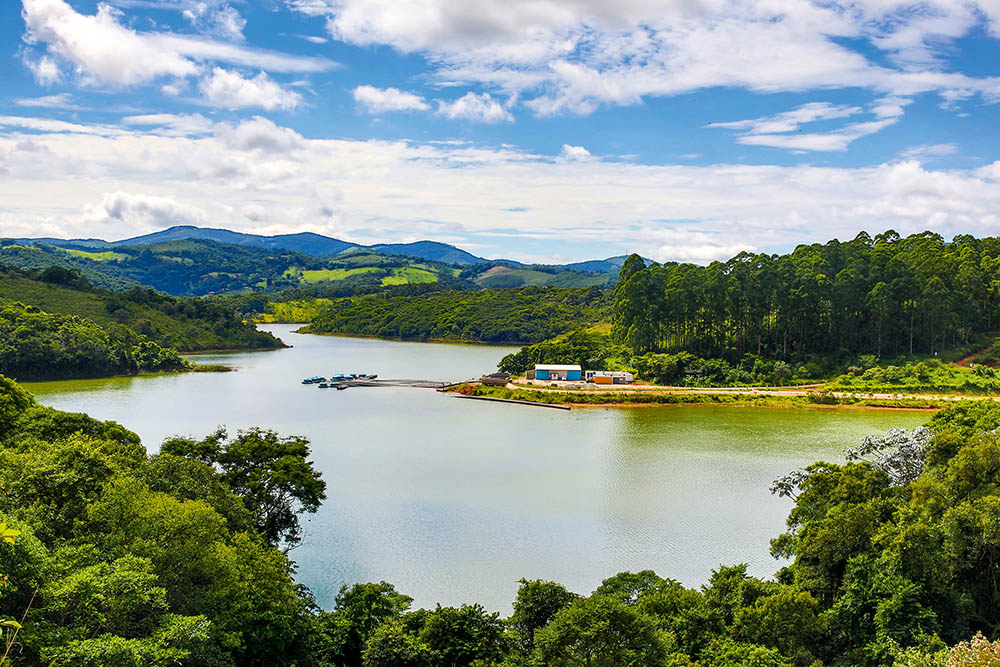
(317, 245)
(432, 250)
(307, 243)
(598, 265)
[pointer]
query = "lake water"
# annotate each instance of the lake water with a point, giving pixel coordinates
(453, 501)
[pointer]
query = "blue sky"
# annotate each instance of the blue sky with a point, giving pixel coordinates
(540, 130)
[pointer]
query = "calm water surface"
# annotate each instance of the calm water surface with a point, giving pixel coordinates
(454, 501)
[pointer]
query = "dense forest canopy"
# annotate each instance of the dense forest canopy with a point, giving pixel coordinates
(38, 345)
(187, 324)
(528, 314)
(886, 296)
(110, 556)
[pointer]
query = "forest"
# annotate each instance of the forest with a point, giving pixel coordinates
(35, 345)
(882, 314)
(885, 296)
(190, 325)
(522, 315)
(112, 556)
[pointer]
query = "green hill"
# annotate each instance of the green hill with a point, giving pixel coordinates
(525, 315)
(188, 324)
(36, 345)
(198, 267)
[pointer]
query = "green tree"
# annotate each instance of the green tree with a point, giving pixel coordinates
(600, 631)
(273, 476)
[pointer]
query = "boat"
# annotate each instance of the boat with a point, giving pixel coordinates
(324, 385)
(341, 387)
(372, 376)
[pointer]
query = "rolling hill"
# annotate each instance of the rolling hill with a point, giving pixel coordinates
(307, 243)
(190, 325)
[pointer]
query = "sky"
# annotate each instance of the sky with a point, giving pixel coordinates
(535, 130)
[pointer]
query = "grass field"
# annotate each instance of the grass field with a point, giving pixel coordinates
(106, 256)
(319, 275)
(409, 275)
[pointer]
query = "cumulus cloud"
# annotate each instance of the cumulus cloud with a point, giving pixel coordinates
(145, 212)
(575, 152)
(45, 69)
(382, 100)
(230, 89)
(574, 55)
(258, 175)
(258, 134)
(481, 108)
(103, 51)
(679, 245)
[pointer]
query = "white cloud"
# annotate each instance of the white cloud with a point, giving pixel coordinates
(480, 108)
(382, 100)
(777, 131)
(105, 52)
(229, 89)
(575, 152)
(215, 17)
(931, 151)
(259, 134)
(50, 125)
(144, 212)
(499, 198)
(60, 101)
(789, 121)
(679, 245)
(180, 125)
(574, 55)
(45, 69)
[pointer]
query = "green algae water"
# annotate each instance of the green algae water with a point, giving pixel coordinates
(454, 501)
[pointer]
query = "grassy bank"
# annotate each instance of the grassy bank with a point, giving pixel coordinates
(597, 398)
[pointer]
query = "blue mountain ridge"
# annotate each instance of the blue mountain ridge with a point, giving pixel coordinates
(318, 245)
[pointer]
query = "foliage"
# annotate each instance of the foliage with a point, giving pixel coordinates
(200, 267)
(898, 552)
(271, 474)
(187, 324)
(492, 316)
(602, 632)
(38, 345)
(583, 347)
(883, 296)
(686, 369)
(127, 572)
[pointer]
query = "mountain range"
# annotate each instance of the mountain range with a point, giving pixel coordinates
(195, 261)
(318, 245)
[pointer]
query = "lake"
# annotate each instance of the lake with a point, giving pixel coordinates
(454, 501)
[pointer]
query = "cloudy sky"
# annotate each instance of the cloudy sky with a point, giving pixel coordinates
(540, 130)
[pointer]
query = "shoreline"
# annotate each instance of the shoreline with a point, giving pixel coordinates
(736, 399)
